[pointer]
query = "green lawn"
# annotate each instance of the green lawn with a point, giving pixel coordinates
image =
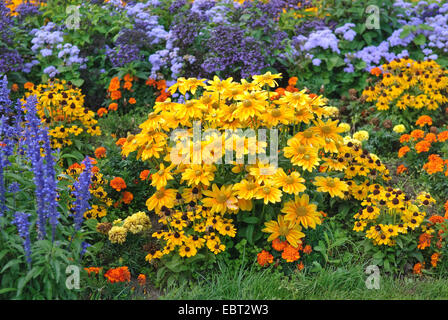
(341, 283)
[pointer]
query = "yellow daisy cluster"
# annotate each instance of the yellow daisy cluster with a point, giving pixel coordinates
(407, 83)
(387, 213)
(137, 223)
(61, 107)
(190, 203)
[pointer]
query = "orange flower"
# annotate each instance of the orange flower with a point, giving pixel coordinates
(443, 136)
(417, 134)
(401, 168)
(290, 254)
(431, 137)
(132, 101)
(424, 241)
(114, 84)
(115, 95)
(127, 85)
(300, 266)
(264, 258)
(120, 274)
(434, 259)
(127, 197)
(292, 81)
(446, 209)
(279, 245)
(151, 82)
(28, 85)
(15, 87)
(100, 152)
(120, 142)
(405, 138)
(141, 279)
(435, 164)
(422, 146)
(402, 152)
(376, 71)
(144, 175)
(128, 78)
(101, 112)
(95, 270)
(418, 268)
(424, 120)
(113, 106)
(118, 183)
(307, 249)
(436, 219)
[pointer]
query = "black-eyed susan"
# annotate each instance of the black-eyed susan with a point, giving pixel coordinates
(334, 186)
(285, 230)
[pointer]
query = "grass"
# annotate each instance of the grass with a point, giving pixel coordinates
(248, 282)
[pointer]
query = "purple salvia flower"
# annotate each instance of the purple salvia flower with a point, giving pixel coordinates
(81, 193)
(21, 220)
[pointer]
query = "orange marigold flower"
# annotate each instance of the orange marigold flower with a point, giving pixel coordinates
(144, 175)
(434, 259)
(430, 137)
(307, 249)
(290, 254)
(435, 164)
(120, 274)
(422, 146)
(405, 138)
(442, 136)
(292, 81)
(113, 106)
(300, 266)
(127, 85)
(127, 197)
(28, 85)
(264, 258)
(15, 87)
(424, 120)
(132, 101)
(151, 82)
(95, 169)
(128, 78)
(446, 209)
(94, 270)
(279, 245)
(403, 150)
(417, 134)
(376, 71)
(100, 152)
(120, 142)
(115, 95)
(424, 241)
(401, 168)
(114, 84)
(141, 279)
(101, 112)
(118, 183)
(436, 219)
(418, 268)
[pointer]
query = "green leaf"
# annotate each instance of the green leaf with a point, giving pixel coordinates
(420, 39)
(250, 220)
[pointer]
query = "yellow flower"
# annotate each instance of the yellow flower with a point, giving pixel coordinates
(302, 212)
(334, 186)
(399, 128)
(219, 200)
(282, 229)
(117, 234)
(162, 197)
(361, 135)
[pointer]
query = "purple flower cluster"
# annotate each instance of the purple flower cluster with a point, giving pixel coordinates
(233, 51)
(21, 221)
(82, 194)
(10, 59)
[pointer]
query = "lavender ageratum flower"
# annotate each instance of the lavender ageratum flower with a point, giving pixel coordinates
(316, 62)
(82, 194)
(346, 31)
(21, 221)
(322, 38)
(51, 71)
